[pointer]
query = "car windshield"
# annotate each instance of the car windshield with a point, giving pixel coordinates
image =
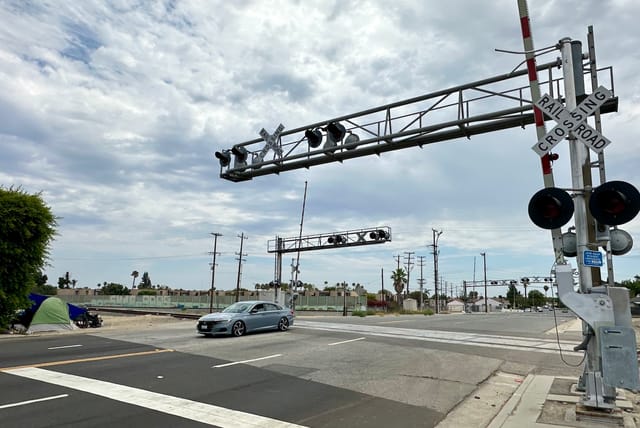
(237, 308)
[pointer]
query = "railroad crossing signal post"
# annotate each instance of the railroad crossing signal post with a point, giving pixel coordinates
(608, 337)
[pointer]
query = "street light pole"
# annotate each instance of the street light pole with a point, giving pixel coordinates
(484, 259)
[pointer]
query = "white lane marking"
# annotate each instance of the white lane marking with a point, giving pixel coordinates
(65, 346)
(246, 361)
(346, 341)
(181, 407)
(548, 346)
(37, 400)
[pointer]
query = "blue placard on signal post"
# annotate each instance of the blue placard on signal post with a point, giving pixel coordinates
(592, 258)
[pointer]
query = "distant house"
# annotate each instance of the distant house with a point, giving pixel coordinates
(493, 305)
(455, 306)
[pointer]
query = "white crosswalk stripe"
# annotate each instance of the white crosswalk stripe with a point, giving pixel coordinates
(470, 339)
(188, 409)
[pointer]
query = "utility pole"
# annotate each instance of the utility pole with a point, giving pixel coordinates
(213, 269)
(484, 259)
(297, 267)
(384, 296)
(397, 259)
(344, 298)
(240, 259)
(436, 236)
(421, 280)
(407, 257)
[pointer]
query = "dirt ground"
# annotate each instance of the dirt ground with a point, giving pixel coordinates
(110, 322)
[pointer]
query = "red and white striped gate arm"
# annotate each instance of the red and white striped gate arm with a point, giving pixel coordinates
(547, 171)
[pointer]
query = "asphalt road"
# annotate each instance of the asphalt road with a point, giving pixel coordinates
(401, 371)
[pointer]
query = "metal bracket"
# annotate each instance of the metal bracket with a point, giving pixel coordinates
(595, 309)
(619, 358)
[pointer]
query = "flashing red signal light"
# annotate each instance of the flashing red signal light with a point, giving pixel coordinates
(336, 239)
(551, 208)
(614, 203)
(314, 137)
(223, 157)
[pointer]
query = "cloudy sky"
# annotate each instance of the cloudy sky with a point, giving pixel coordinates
(113, 110)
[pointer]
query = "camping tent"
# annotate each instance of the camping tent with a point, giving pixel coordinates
(52, 315)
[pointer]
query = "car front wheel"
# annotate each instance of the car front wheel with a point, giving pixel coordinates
(283, 324)
(238, 328)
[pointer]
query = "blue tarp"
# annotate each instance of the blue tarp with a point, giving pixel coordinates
(37, 299)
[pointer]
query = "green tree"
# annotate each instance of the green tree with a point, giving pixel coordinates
(64, 281)
(134, 274)
(40, 286)
(513, 296)
(416, 295)
(536, 298)
(145, 282)
(114, 289)
(27, 227)
(633, 285)
(399, 277)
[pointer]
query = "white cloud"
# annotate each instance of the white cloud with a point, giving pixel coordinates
(114, 113)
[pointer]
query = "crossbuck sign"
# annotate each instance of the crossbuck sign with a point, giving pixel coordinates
(572, 121)
(272, 144)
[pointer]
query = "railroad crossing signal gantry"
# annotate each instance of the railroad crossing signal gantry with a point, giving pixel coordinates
(461, 111)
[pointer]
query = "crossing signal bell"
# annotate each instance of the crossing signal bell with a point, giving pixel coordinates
(551, 208)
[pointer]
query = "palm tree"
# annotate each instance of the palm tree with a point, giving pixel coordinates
(134, 274)
(399, 277)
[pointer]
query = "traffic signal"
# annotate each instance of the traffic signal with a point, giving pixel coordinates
(240, 156)
(224, 157)
(379, 234)
(336, 239)
(551, 208)
(314, 137)
(335, 134)
(614, 203)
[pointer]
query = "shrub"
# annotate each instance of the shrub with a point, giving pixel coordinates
(359, 313)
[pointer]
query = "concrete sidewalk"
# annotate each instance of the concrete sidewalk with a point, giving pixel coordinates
(537, 401)
(508, 400)
(552, 401)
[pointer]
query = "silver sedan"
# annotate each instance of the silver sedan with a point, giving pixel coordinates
(248, 316)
